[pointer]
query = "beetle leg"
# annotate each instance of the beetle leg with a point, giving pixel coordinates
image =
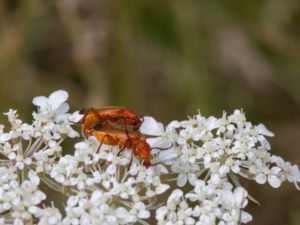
(102, 140)
(162, 149)
(127, 142)
(131, 158)
(121, 150)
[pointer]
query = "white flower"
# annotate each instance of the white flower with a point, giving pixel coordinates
(141, 210)
(13, 118)
(186, 172)
(238, 198)
(67, 172)
(124, 216)
(52, 120)
(234, 202)
(261, 129)
(272, 176)
(200, 192)
(289, 172)
(55, 103)
(175, 197)
(293, 175)
(49, 215)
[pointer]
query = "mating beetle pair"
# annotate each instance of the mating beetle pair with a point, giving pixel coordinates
(117, 126)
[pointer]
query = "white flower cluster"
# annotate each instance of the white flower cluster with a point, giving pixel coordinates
(18, 197)
(108, 190)
(210, 154)
(101, 186)
(205, 156)
(28, 152)
(205, 204)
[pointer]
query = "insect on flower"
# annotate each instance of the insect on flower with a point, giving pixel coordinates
(124, 139)
(117, 126)
(113, 116)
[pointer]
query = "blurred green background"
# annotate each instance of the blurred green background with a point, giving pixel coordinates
(166, 59)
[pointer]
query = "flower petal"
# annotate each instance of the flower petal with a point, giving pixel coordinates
(151, 127)
(62, 109)
(228, 199)
(40, 101)
(121, 213)
(173, 125)
(161, 213)
(144, 214)
(76, 117)
(260, 128)
(181, 180)
(240, 195)
(57, 98)
(261, 178)
(162, 188)
(167, 156)
(293, 174)
(246, 217)
(274, 181)
(175, 196)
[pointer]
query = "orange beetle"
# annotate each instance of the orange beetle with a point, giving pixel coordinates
(115, 116)
(124, 139)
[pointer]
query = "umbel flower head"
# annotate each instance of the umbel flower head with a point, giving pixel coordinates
(193, 179)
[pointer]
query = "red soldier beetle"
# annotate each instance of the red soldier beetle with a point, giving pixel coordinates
(131, 140)
(114, 116)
